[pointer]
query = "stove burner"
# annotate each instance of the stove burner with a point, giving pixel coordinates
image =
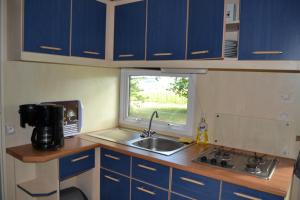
(253, 169)
(222, 155)
(256, 160)
(261, 166)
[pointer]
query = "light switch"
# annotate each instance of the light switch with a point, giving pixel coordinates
(9, 130)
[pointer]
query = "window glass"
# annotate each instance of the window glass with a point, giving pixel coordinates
(165, 94)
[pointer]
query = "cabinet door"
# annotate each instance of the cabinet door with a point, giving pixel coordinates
(47, 26)
(88, 28)
(130, 27)
(141, 191)
(206, 21)
(235, 192)
(114, 186)
(269, 30)
(166, 38)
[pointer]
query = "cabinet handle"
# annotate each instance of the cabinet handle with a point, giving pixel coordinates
(192, 181)
(51, 48)
(79, 159)
(245, 196)
(125, 55)
(112, 157)
(146, 167)
(112, 179)
(91, 52)
(163, 54)
(267, 52)
(199, 52)
(146, 191)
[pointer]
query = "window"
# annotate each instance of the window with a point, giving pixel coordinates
(146, 91)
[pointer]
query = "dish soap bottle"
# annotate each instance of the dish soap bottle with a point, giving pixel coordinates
(202, 132)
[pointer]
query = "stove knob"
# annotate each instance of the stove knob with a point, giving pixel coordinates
(213, 161)
(203, 159)
(223, 163)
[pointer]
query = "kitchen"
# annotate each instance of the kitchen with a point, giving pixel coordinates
(254, 94)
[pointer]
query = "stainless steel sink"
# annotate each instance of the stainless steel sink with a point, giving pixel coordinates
(160, 145)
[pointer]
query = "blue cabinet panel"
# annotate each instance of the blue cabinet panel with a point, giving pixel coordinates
(166, 38)
(113, 186)
(234, 192)
(47, 26)
(177, 197)
(130, 27)
(269, 30)
(150, 172)
(88, 28)
(141, 191)
(76, 163)
(115, 161)
(195, 186)
(205, 33)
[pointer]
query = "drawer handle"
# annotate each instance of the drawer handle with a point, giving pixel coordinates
(245, 196)
(192, 181)
(112, 179)
(163, 54)
(199, 52)
(267, 52)
(112, 157)
(51, 48)
(79, 159)
(146, 191)
(146, 167)
(125, 55)
(91, 52)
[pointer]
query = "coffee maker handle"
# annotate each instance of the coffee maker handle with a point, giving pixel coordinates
(33, 136)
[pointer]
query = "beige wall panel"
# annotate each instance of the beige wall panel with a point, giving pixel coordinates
(97, 88)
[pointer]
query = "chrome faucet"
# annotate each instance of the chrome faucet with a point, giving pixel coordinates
(149, 132)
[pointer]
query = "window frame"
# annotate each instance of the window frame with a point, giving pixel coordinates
(164, 127)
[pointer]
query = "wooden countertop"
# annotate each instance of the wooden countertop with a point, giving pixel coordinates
(279, 184)
(26, 153)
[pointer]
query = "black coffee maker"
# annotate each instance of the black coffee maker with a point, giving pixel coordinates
(48, 122)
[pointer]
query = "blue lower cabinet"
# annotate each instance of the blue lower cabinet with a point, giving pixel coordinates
(235, 192)
(142, 191)
(115, 161)
(113, 186)
(150, 172)
(195, 186)
(178, 197)
(76, 163)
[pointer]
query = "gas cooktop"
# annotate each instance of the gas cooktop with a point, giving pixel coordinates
(261, 166)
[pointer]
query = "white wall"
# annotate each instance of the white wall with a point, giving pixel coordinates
(97, 88)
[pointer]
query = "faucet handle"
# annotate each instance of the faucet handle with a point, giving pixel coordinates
(144, 133)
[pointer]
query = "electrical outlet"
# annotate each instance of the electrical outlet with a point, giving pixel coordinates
(9, 130)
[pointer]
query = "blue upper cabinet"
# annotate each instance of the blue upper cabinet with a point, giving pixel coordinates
(205, 32)
(88, 28)
(166, 34)
(269, 30)
(130, 30)
(47, 26)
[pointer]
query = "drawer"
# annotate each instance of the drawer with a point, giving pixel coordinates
(115, 161)
(150, 172)
(142, 191)
(178, 197)
(195, 186)
(235, 192)
(110, 183)
(76, 163)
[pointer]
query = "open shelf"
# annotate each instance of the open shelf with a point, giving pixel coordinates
(38, 188)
